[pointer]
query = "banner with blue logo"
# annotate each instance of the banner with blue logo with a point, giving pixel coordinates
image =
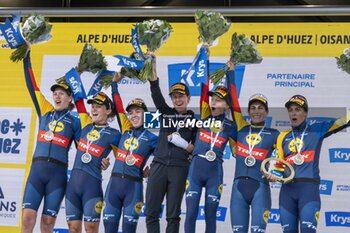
(97, 85)
(175, 74)
(12, 33)
(73, 80)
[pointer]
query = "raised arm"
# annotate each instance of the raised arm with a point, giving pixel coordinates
(235, 108)
(157, 96)
(42, 106)
(332, 127)
(123, 121)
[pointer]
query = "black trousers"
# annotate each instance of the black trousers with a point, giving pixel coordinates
(169, 181)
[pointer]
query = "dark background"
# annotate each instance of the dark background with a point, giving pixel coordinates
(184, 3)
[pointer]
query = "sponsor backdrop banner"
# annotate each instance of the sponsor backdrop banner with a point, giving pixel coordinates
(298, 59)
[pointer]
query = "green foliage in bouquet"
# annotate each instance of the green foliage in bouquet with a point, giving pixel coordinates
(35, 29)
(343, 61)
(243, 51)
(152, 34)
(211, 25)
(91, 60)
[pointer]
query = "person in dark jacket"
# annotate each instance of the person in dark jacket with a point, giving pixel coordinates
(170, 165)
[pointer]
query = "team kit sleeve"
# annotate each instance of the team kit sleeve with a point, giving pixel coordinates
(332, 127)
(42, 106)
(123, 121)
(157, 97)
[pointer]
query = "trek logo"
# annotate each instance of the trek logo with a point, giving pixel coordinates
(337, 219)
(274, 216)
(220, 213)
(92, 149)
(57, 139)
(339, 155)
(258, 153)
(121, 156)
(326, 187)
(207, 137)
(307, 155)
(152, 120)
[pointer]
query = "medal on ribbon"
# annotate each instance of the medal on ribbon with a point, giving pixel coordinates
(49, 135)
(210, 155)
(91, 136)
(130, 159)
(298, 159)
(86, 158)
(251, 160)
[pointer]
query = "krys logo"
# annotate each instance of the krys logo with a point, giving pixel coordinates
(220, 213)
(339, 155)
(7, 207)
(337, 219)
(326, 187)
(175, 72)
(274, 216)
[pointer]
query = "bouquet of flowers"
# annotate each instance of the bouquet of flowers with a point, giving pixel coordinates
(35, 30)
(128, 72)
(152, 33)
(243, 50)
(343, 61)
(211, 25)
(91, 60)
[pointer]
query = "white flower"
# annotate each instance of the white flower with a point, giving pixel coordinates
(346, 52)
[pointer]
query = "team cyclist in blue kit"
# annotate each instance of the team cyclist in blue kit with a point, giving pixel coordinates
(124, 194)
(300, 146)
(84, 194)
(251, 194)
(48, 173)
(206, 167)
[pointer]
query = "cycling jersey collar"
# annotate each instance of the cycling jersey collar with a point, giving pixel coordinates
(258, 125)
(220, 117)
(300, 127)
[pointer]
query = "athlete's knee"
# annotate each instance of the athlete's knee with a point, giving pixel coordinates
(74, 226)
(47, 224)
(28, 220)
(91, 227)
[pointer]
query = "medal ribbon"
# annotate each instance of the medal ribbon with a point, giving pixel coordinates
(53, 118)
(251, 146)
(89, 141)
(297, 146)
(131, 141)
(216, 136)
